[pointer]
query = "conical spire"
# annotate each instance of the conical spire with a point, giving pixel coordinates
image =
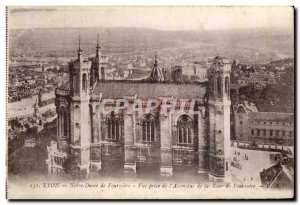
(98, 47)
(79, 38)
(36, 105)
(156, 74)
(155, 59)
(79, 52)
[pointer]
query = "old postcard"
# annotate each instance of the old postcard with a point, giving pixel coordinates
(150, 102)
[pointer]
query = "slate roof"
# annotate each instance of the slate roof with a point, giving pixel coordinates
(146, 90)
(65, 86)
(272, 115)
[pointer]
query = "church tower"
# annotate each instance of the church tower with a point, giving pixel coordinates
(101, 71)
(80, 132)
(98, 52)
(99, 64)
(156, 74)
(219, 119)
(37, 114)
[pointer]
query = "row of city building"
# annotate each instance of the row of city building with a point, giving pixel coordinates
(262, 127)
(30, 113)
(25, 82)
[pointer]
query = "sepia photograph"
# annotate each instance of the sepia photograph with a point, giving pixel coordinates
(150, 102)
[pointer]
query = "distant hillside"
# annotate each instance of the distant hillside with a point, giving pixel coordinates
(279, 97)
(248, 43)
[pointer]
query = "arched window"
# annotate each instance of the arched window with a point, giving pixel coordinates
(227, 86)
(65, 117)
(185, 130)
(84, 82)
(212, 81)
(148, 129)
(114, 128)
(75, 84)
(215, 91)
(102, 73)
(63, 122)
(219, 85)
(96, 75)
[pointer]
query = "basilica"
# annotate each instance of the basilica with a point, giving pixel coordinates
(163, 142)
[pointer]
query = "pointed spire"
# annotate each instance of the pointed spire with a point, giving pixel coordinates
(98, 48)
(155, 59)
(98, 42)
(79, 43)
(79, 49)
(156, 74)
(36, 104)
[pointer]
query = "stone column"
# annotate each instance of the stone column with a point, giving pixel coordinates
(95, 150)
(57, 125)
(211, 131)
(49, 160)
(130, 162)
(227, 147)
(96, 124)
(85, 136)
(202, 141)
(166, 168)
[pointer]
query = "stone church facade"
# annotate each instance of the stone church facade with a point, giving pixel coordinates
(198, 140)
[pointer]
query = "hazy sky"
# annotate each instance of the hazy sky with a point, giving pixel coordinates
(163, 18)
